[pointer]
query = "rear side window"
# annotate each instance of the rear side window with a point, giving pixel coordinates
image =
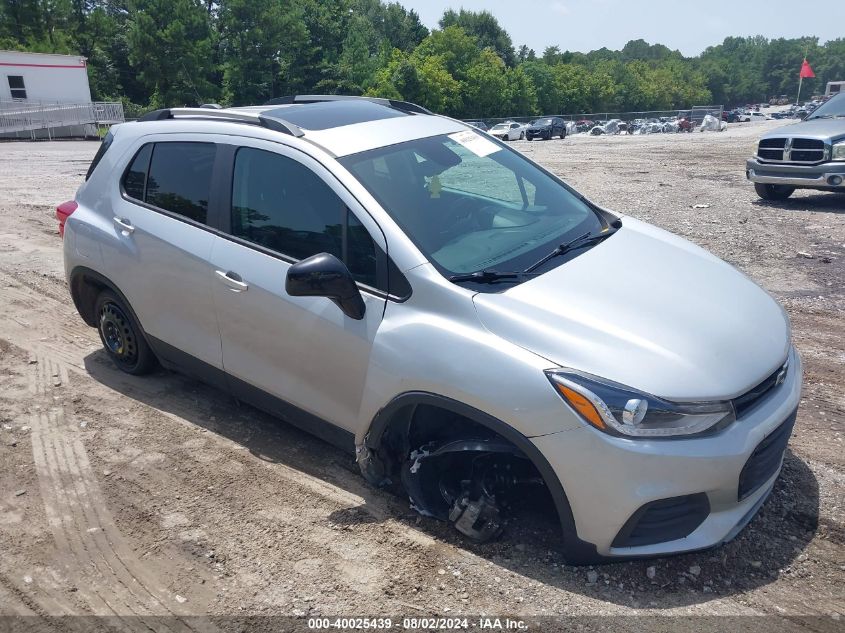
(104, 147)
(173, 176)
(180, 178)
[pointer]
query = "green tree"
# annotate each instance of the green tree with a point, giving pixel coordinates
(452, 44)
(525, 54)
(486, 86)
(485, 28)
(257, 43)
(359, 57)
(170, 47)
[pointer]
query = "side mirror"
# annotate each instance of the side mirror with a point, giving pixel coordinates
(324, 275)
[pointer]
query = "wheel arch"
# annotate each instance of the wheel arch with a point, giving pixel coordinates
(86, 285)
(400, 411)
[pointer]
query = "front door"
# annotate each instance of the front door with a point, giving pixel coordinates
(302, 350)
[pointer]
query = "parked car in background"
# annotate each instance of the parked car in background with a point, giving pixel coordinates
(749, 116)
(508, 131)
(546, 128)
(479, 125)
(805, 155)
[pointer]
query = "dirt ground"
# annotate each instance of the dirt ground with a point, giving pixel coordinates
(159, 496)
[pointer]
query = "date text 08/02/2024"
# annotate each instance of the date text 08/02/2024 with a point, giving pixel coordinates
(417, 624)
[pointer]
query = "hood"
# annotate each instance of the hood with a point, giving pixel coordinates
(822, 129)
(649, 310)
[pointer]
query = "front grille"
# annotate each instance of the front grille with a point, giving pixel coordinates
(747, 401)
(766, 459)
(664, 520)
(791, 150)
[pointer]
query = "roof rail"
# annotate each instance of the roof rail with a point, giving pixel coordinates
(404, 106)
(270, 122)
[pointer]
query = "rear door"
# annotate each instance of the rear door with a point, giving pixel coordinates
(299, 350)
(159, 257)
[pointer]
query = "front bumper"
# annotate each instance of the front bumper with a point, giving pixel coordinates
(608, 479)
(803, 176)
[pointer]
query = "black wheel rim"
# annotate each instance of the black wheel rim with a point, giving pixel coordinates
(118, 335)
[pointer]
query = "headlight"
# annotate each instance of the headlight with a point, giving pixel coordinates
(838, 152)
(620, 410)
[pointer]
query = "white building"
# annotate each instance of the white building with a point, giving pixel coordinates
(46, 95)
(834, 88)
(42, 78)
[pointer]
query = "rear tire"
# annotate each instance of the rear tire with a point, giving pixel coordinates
(121, 336)
(773, 192)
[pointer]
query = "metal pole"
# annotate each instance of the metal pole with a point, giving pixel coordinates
(798, 98)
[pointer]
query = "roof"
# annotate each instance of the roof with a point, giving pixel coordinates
(340, 125)
(45, 56)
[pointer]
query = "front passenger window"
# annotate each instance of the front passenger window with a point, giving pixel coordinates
(282, 205)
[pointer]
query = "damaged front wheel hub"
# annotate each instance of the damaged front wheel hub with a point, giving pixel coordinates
(466, 482)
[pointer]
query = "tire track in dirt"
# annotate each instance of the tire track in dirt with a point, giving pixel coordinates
(111, 579)
(43, 324)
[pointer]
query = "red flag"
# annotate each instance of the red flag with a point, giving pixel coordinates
(806, 70)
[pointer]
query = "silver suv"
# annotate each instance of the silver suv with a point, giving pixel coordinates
(415, 291)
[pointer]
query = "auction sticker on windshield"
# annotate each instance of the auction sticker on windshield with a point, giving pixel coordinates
(475, 143)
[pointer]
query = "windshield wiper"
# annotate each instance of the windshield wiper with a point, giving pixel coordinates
(578, 242)
(486, 276)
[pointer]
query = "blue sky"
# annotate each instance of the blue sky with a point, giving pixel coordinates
(584, 25)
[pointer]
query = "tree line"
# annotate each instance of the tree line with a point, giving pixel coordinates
(156, 53)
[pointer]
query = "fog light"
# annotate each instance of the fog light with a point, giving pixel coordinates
(835, 180)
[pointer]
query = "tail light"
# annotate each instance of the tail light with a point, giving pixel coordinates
(63, 212)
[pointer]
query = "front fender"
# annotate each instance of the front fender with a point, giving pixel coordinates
(434, 343)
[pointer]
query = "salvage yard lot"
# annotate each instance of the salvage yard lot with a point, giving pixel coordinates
(156, 496)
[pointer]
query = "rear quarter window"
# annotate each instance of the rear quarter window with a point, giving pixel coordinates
(104, 147)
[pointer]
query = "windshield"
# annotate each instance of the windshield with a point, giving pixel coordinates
(542, 122)
(833, 108)
(501, 126)
(471, 204)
